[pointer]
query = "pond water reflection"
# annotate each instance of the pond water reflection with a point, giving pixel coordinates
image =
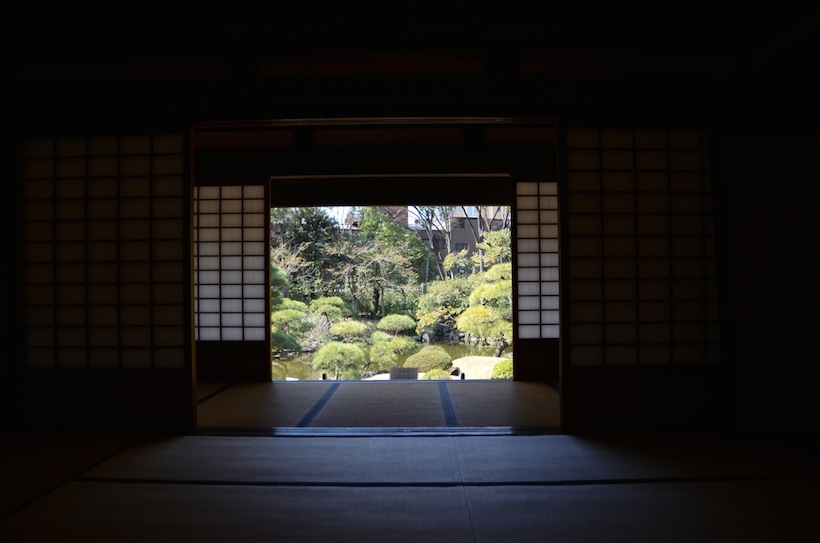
(298, 366)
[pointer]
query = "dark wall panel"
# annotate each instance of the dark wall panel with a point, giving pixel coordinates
(664, 399)
(124, 401)
(769, 189)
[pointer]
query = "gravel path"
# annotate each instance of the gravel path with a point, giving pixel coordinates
(473, 367)
(477, 367)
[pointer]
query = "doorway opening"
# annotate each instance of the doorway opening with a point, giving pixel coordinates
(358, 292)
(342, 166)
(337, 291)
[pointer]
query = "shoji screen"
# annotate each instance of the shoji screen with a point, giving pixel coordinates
(230, 237)
(106, 253)
(536, 242)
(641, 249)
(231, 292)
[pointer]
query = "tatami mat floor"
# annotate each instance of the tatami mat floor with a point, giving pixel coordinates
(450, 489)
(455, 404)
(442, 485)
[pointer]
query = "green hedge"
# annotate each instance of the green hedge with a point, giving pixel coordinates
(437, 375)
(430, 357)
(503, 370)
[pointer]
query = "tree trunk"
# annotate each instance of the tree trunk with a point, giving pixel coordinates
(376, 298)
(500, 348)
(426, 272)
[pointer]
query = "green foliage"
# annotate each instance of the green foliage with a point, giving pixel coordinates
(348, 330)
(401, 300)
(497, 294)
(441, 304)
(293, 225)
(404, 345)
(279, 284)
(288, 303)
(452, 292)
(483, 322)
(291, 321)
(281, 317)
(489, 317)
(370, 271)
(503, 370)
(283, 342)
(377, 226)
(335, 301)
(437, 375)
(379, 336)
(498, 272)
(386, 349)
(430, 357)
(496, 247)
(339, 358)
(330, 312)
(396, 324)
(382, 356)
(300, 237)
(375, 261)
(457, 261)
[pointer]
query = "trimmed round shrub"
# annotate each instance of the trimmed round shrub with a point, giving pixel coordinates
(348, 329)
(335, 301)
(437, 375)
(404, 345)
(339, 358)
(381, 356)
(395, 324)
(331, 312)
(285, 319)
(503, 370)
(288, 303)
(430, 357)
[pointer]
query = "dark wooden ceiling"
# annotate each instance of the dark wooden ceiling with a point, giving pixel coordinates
(347, 58)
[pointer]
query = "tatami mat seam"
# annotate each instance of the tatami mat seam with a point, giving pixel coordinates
(216, 392)
(317, 407)
(447, 405)
(451, 484)
(72, 478)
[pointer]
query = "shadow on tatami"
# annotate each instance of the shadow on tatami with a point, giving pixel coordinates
(316, 482)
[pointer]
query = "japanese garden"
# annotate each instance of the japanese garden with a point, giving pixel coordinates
(371, 288)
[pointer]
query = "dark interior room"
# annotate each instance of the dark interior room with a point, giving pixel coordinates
(661, 164)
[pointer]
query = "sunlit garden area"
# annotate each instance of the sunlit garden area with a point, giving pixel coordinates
(356, 291)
